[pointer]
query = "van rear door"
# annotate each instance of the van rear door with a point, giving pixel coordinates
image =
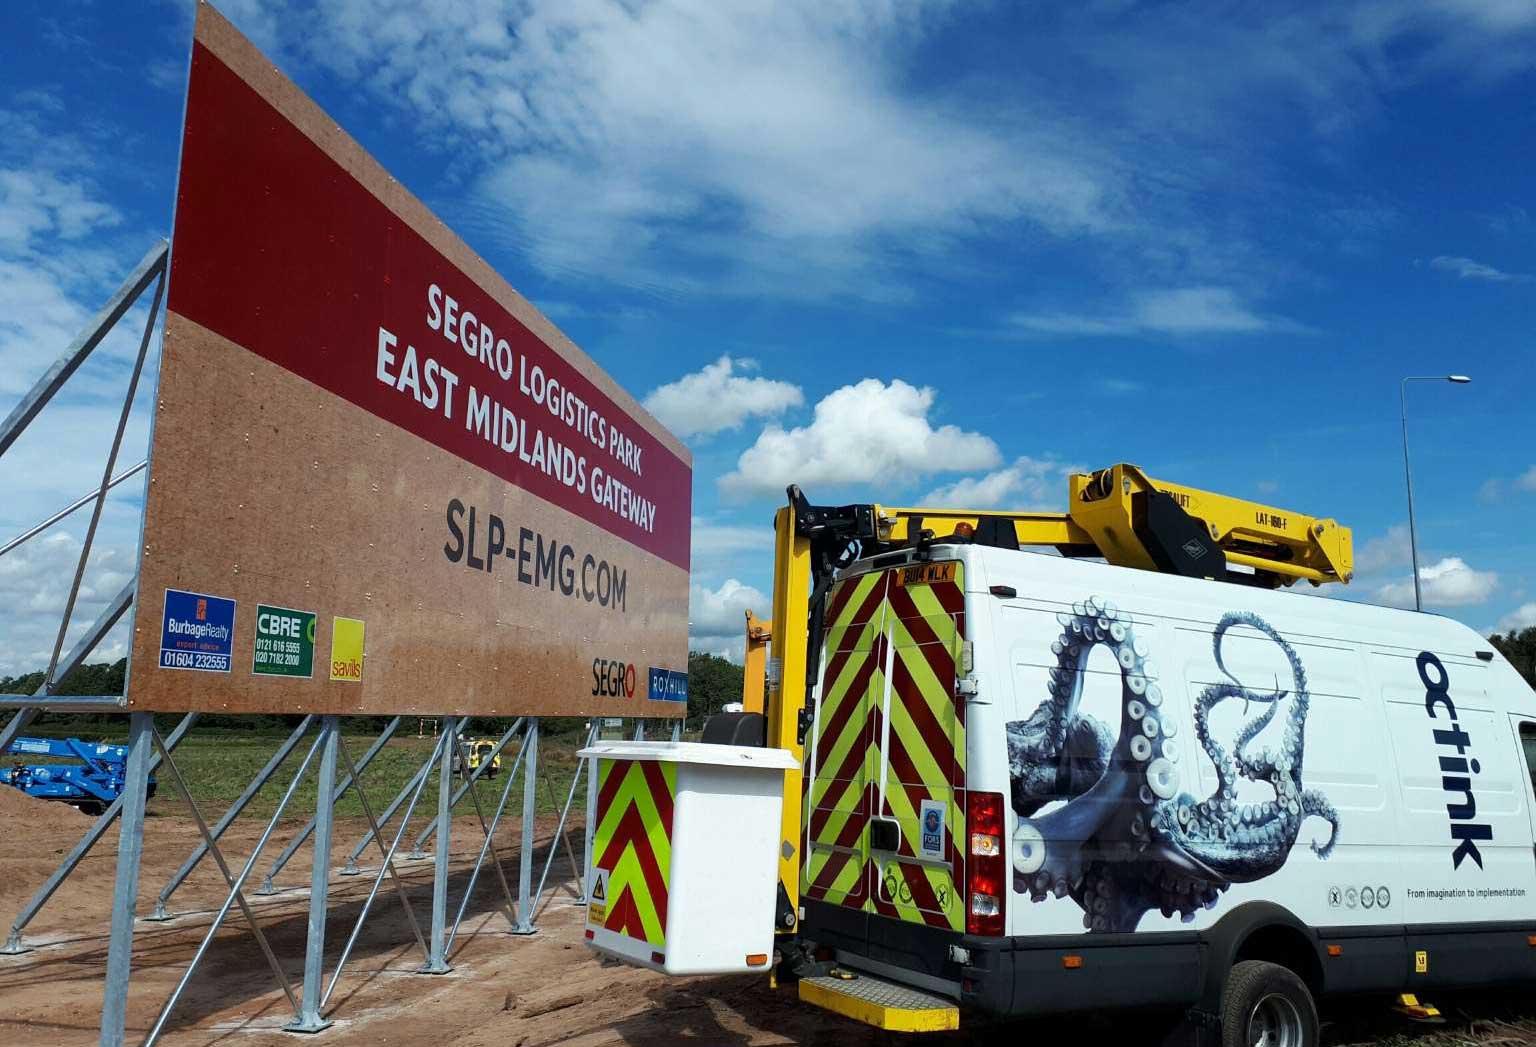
(886, 763)
(918, 750)
(837, 774)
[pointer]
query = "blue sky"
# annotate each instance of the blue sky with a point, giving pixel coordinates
(887, 249)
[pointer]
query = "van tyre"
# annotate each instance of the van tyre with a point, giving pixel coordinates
(1266, 1005)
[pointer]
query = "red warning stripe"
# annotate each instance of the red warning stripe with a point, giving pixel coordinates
(624, 916)
(837, 659)
(630, 834)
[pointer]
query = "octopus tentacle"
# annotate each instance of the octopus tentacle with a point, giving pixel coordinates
(1127, 841)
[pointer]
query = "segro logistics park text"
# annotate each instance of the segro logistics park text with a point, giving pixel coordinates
(435, 387)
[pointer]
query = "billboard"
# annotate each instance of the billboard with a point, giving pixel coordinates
(380, 481)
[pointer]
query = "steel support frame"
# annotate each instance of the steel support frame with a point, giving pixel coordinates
(235, 892)
(487, 847)
(199, 852)
(125, 888)
(525, 901)
(437, 960)
(565, 812)
(310, 1019)
(13, 943)
(267, 886)
(106, 474)
(417, 854)
(43, 525)
(328, 747)
(147, 271)
(386, 866)
(309, 1009)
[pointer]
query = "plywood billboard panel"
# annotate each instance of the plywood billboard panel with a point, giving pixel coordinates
(380, 481)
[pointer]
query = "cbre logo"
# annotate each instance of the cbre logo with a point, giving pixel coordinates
(613, 679)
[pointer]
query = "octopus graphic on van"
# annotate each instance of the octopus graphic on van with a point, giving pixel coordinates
(1127, 840)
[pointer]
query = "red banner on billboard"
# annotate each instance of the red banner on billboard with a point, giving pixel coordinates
(301, 264)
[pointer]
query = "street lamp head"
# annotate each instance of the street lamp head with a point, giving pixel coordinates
(1459, 379)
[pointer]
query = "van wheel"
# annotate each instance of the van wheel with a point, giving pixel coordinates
(1266, 1005)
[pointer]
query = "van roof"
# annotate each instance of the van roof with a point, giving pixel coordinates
(1198, 598)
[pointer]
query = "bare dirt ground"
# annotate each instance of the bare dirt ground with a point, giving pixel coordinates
(505, 990)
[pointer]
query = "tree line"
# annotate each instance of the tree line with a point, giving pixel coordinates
(712, 682)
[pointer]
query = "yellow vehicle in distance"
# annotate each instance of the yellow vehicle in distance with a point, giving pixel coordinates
(477, 751)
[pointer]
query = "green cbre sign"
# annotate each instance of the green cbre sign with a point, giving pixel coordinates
(285, 642)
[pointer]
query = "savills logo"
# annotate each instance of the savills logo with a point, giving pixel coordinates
(1455, 770)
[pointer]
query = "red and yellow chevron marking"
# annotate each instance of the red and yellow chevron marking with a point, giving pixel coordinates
(632, 845)
(915, 623)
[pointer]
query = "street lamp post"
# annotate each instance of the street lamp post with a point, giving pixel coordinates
(1413, 537)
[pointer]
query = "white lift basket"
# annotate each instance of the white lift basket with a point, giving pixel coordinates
(685, 854)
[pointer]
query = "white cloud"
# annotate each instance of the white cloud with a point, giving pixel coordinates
(716, 399)
(34, 583)
(1522, 617)
(865, 433)
(719, 545)
(1495, 488)
(802, 147)
(59, 259)
(1384, 552)
(1178, 311)
(1027, 484)
(600, 129)
(717, 617)
(1449, 582)
(1467, 269)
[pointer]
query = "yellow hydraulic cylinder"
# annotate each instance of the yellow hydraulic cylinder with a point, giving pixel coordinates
(754, 672)
(786, 684)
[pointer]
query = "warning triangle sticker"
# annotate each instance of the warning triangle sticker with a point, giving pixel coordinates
(598, 892)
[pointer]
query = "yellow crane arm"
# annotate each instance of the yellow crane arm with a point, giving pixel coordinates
(1132, 520)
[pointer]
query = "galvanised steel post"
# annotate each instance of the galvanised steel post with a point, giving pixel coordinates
(201, 850)
(459, 793)
(591, 826)
(424, 771)
(233, 896)
(125, 891)
(387, 867)
(485, 848)
(310, 1019)
(437, 962)
(525, 859)
(565, 813)
(309, 827)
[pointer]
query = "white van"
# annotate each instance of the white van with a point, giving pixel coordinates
(1038, 784)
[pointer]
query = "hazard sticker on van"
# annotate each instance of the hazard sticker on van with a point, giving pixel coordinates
(597, 904)
(926, 573)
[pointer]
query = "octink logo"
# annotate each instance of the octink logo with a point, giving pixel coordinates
(1455, 771)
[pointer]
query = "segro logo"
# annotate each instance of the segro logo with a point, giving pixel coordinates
(613, 679)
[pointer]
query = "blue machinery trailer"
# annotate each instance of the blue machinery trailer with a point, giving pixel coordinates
(91, 785)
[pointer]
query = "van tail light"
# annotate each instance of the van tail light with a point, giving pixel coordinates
(986, 865)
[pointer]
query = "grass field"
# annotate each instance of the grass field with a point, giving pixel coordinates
(218, 765)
